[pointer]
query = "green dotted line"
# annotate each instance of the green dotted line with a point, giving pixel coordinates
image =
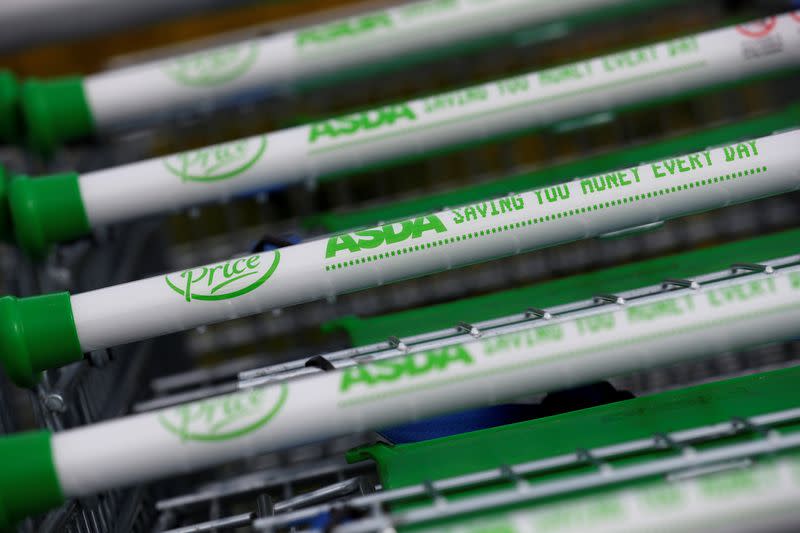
(697, 184)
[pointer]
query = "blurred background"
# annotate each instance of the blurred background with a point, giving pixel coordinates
(45, 39)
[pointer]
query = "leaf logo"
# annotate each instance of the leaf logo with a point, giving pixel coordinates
(222, 281)
(218, 162)
(213, 67)
(225, 417)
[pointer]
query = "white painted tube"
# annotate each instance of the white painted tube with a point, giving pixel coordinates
(424, 245)
(560, 353)
(745, 498)
(420, 126)
(280, 61)
(28, 23)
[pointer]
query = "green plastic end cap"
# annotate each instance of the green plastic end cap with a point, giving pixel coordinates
(29, 483)
(10, 127)
(37, 333)
(54, 112)
(46, 210)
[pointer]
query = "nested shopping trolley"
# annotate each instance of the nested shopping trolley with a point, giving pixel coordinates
(442, 265)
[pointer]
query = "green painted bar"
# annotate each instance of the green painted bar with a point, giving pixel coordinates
(754, 127)
(367, 330)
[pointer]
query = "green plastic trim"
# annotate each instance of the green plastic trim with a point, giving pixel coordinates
(29, 484)
(539, 32)
(685, 408)
(690, 407)
(55, 111)
(367, 330)
(10, 127)
(46, 210)
(37, 333)
(754, 127)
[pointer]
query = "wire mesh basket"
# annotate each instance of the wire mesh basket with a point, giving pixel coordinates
(313, 486)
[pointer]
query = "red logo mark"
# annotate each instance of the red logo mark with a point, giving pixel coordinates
(757, 28)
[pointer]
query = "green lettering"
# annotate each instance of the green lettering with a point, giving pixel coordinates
(339, 243)
(404, 110)
(428, 223)
(231, 268)
(391, 236)
(421, 363)
(611, 179)
(320, 129)
(391, 369)
(350, 124)
(742, 150)
(444, 357)
(656, 173)
(211, 274)
(354, 375)
(372, 238)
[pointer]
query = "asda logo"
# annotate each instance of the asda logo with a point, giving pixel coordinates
(388, 234)
(213, 67)
(226, 280)
(341, 30)
(412, 366)
(364, 121)
(218, 162)
(225, 417)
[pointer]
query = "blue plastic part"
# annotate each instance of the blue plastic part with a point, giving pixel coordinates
(487, 417)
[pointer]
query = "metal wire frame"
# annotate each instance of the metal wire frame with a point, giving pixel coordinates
(374, 508)
(752, 219)
(287, 480)
(128, 510)
(464, 332)
(81, 394)
(92, 516)
(687, 461)
(341, 491)
(87, 393)
(254, 337)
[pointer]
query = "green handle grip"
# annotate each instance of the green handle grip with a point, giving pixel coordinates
(36, 213)
(36, 333)
(43, 113)
(54, 112)
(29, 483)
(10, 119)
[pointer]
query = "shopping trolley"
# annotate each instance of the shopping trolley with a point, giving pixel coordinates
(507, 477)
